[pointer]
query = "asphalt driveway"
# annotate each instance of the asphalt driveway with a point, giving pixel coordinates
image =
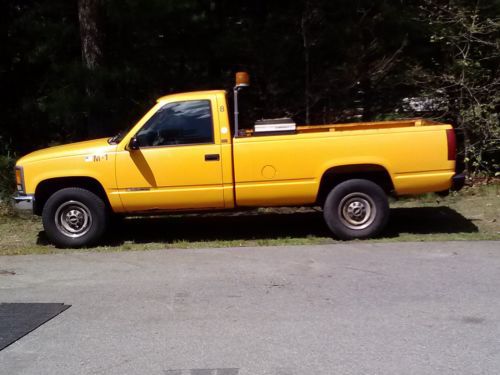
(354, 308)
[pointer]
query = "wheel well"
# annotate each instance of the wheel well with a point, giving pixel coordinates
(48, 187)
(334, 176)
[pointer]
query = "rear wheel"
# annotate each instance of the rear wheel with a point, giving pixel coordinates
(74, 217)
(356, 209)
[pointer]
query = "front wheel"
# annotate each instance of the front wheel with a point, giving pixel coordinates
(356, 209)
(74, 217)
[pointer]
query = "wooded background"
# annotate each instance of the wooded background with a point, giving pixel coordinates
(77, 69)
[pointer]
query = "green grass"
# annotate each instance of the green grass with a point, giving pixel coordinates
(472, 214)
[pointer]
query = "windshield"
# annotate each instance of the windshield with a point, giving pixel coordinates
(121, 134)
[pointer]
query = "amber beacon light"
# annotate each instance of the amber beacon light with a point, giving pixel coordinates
(242, 80)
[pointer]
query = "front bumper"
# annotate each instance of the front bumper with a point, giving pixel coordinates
(457, 182)
(23, 203)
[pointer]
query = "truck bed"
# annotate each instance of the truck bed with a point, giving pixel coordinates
(375, 125)
(278, 168)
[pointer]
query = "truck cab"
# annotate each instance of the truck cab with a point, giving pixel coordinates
(178, 157)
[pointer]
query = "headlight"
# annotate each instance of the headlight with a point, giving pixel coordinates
(19, 179)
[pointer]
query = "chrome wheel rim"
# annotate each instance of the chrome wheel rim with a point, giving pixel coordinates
(73, 219)
(357, 211)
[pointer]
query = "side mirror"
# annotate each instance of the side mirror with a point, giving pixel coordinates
(133, 144)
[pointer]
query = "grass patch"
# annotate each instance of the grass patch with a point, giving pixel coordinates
(472, 214)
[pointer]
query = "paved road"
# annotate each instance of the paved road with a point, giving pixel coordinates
(399, 308)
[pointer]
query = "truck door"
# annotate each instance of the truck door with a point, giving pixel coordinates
(177, 164)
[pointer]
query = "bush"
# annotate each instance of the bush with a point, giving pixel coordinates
(7, 179)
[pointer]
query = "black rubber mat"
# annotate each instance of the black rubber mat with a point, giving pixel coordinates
(19, 319)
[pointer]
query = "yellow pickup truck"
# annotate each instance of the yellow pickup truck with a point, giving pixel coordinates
(184, 156)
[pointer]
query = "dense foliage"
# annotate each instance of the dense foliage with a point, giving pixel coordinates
(75, 69)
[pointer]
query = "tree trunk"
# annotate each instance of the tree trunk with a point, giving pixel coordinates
(307, 59)
(91, 45)
(366, 86)
(90, 32)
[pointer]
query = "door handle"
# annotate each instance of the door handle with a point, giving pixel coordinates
(212, 157)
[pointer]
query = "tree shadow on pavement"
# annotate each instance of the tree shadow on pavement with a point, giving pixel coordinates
(275, 225)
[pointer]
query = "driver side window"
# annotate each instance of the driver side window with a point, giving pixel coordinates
(180, 123)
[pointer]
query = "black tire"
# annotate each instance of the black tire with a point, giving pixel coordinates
(356, 209)
(74, 217)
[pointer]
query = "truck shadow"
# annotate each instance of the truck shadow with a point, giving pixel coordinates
(276, 225)
(428, 220)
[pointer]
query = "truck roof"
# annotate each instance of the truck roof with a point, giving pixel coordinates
(187, 95)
